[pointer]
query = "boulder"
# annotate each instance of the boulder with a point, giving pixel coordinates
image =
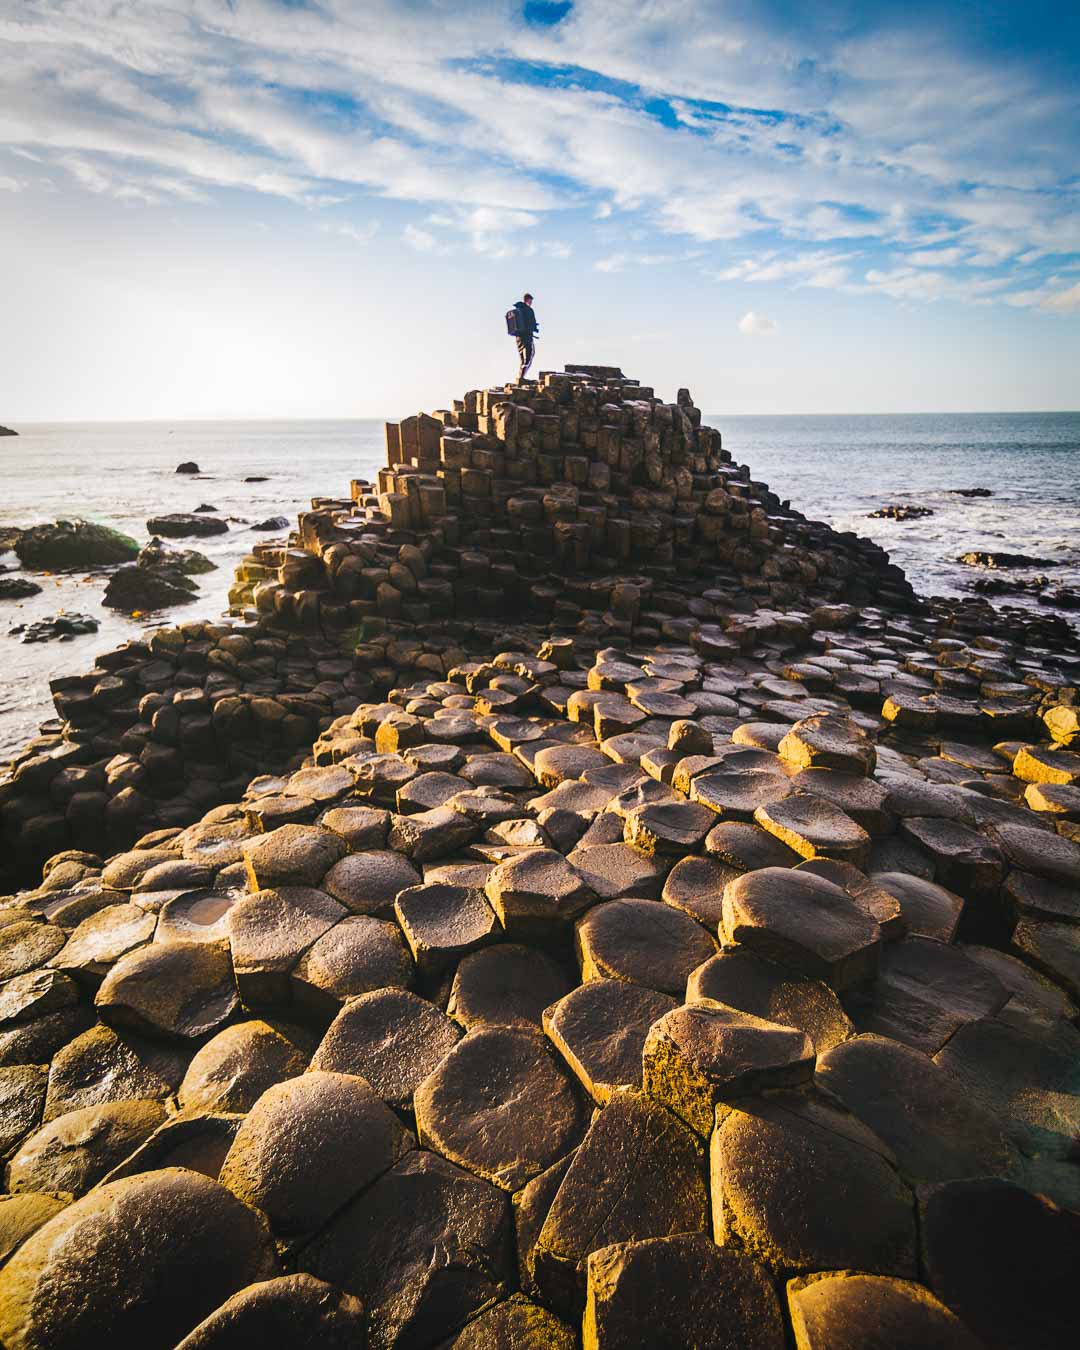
(696, 886)
(292, 855)
(679, 1291)
(599, 1028)
(270, 931)
(443, 923)
(73, 543)
(815, 828)
(101, 940)
(871, 1312)
(829, 741)
(425, 1248)
(25, 945)
(102, 1065)
(800, 1186)
(506, 985)
(369, 882)
(705, 1053)
(272, 523)
(643, 942)
(514, 1325)
(23, 1215)
(638, 1173)
(616, 870)
(392, 1039)
(22, 1100)
(309, 1145)
(182, 1242)
(537, 894)
(805, 923)
(17, 588)
(188, 466)
(145, 588)
(181, 989)
(233, 1069)
(74, 1151)
(293, 1310)
(180, 524)
(500, 1106)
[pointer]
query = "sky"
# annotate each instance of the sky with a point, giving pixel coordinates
(322, 208)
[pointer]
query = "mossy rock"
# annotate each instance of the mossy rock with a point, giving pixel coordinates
(73, 543)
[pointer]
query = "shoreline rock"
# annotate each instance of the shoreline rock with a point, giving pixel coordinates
(67, 544)
(518, 788)
(901, 512)
(182, 524)
(7, 431)
(978, 558)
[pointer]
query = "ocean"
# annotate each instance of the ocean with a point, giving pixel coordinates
(835, 469)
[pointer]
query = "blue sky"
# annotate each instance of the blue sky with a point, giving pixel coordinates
(322, 208)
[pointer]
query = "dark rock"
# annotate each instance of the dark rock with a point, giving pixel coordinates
(102, 1065)
(233, 1069)
(270, 931)
(180, 524)
(442, 923)
(643, 942)
(293, 1310)
(73, 543)
(390, 1038)
(256, 478)
(272, 523)
(183, 1243)
(369, 882)
(144, 588)
(815, 828)
(514, 1325)
(599, 1028)
(7, 431)
(638, 1173)
(971, 492)
(17, 588)
(1003, 1260)
(980, 559)
(356, 956)
(425, 1248)
(506, 985)
(188, 466)
(679, 1291)
(309, 1145)
(22, 1099)
(74, 1151)
(61, 627)
(871, 1312)
(800, 1186)
(537, 894)
(182, 989)
(22, 1215)
(705, 1053)
(900, 512)
(499, 1106)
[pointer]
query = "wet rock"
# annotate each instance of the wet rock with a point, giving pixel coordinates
(188, 466)
(293, 855)
(442, 923)
(696, 886)
(599, 1028)
(537, 894)
(805, 923)
(1003, 1260)
(270, 931)
(182, 989)
(187, 561)
(815, 828)
(920, 1111)
(829, 741)
(60, 627)
(17, 588)
(499, 1106)
(25, 945)
(616, 870)
(643, 942)
(183, 1243)
(272, 523)
(369, 883)
(200, 916)
(233, 1069)
(180, 524)
(390, 1038)
(101, 940)
(738, 978)
(356, 956)
(638, 1173)
(863, 799)
(294, 1310)
(927, 909)
(22, 1099)
(868, 1312)
(23, 1215)
(800, 1186)
(515, 1323)
(74, 1151)
(102, 1065)
(309, 1145)
(73, 543)
(425, 1248)
(669, 828)
(1031, 992)
(681, 1290)
(506, 985)
(978, 558)
(145, 588)
(904, 511)
(705, 1053)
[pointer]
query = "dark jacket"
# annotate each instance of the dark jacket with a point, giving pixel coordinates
(526, 320)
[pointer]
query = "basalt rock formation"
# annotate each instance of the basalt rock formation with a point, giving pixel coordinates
(658, 930)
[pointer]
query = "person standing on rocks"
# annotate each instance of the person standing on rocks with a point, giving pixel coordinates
(525, 330)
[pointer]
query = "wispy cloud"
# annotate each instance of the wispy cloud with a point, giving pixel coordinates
(810, 152)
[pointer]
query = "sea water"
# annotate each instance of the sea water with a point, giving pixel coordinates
(836, 469)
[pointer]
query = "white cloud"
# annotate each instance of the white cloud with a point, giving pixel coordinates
(421, 240)
(757, 325)
(359, 234)
(9, 184)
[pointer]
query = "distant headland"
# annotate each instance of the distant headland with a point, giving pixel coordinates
(7, 431)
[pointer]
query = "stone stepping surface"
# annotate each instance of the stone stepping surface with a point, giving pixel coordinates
(701, 968)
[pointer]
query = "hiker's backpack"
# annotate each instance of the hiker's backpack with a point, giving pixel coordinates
(511, 322)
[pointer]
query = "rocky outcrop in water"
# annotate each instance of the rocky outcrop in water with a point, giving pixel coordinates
(901, 512)
(1007, 560)
(17, 588)
(180, 524)
(7, 431)
(73, 544)
(686, 956)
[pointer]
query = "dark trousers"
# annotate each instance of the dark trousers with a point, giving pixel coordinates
(525, 355)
